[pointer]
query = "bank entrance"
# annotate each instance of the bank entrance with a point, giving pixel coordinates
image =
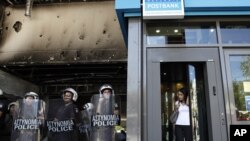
(197, 70)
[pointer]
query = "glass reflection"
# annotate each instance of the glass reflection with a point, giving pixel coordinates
(194, 103)
(181, 33)
(240, 70)
(235, 32)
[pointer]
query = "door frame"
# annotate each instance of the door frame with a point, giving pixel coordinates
(217, 128)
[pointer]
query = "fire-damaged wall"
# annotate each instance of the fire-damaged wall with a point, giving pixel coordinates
(59, 33)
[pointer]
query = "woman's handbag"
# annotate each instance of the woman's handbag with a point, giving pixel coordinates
(174, 116)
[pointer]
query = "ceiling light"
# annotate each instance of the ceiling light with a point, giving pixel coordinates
(211, 30)
(157, 30)
(176, 30)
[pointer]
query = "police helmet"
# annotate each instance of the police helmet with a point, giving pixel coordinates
(71, 90)
(1, 106)
(12, 103)
(106, 87)
(32, 94)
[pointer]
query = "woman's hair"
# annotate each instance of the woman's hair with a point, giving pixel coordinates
(185, 93)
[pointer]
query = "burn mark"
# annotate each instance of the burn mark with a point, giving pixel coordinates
(41, 35)
(78, 53)
(82, 37)
(62, 54)
(17, 26)
(47, 45)
(98, 41)
(8, 14)
(70, 43)
(104, 31)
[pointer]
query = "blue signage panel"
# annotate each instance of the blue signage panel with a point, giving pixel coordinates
(163, 9)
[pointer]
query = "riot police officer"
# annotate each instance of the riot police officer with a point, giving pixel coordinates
(69, 109)
(27, 125)
(105, 106)
(106, 102)
(67, 118)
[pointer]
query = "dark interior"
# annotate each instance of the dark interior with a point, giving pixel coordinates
(86, 78)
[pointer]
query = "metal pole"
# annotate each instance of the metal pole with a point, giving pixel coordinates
(29, 4)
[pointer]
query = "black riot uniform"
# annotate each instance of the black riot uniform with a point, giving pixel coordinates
(66, 119)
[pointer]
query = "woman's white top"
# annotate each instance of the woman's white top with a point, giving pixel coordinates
(183, 117)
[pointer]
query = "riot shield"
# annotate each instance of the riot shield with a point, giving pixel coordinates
(85, 125)
(29, 120)
(62, 121)
(104, 118)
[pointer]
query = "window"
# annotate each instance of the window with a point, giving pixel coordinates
(181, 33)
(240, 70)
(235, 32)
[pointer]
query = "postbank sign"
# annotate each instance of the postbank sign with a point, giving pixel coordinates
(163, 9)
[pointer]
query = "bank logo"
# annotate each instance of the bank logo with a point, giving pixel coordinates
(241, 132)
(163, 9)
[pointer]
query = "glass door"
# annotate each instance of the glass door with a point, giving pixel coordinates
(175, 76)
(238, 74)
(170, 69)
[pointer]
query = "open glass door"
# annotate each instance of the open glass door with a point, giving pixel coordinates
(190, 76)
(170, 69)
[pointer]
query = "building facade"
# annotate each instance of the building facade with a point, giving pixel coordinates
(200, 45)
(146, 49)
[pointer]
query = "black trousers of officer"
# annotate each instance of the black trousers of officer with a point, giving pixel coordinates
(183, 133)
